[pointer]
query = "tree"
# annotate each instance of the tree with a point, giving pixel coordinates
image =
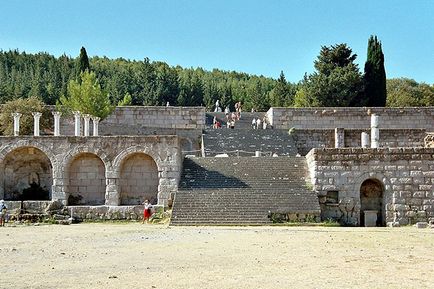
(337, 80)
(25, 106)
(375, 75)
(407, 92)
(87, 97)
(282, 94)
(83, 60)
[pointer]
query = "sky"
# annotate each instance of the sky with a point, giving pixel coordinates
(256, 37)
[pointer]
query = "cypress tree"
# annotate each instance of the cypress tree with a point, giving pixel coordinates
(375, 74)
(83, 60)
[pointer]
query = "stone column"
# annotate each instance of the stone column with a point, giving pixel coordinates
(375, 131)
(16, 116)
(339, 138)
(36, 118)
(365, 140)
(77, 116)
(86, 118)
(56, 115)
(95, 121)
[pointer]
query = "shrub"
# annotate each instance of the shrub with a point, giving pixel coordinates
(25, 106)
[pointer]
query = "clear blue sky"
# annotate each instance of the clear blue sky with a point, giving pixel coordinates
(258, 37)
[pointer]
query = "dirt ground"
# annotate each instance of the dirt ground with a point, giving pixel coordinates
(132, 255)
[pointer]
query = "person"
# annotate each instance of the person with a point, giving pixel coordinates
(167, 104)
(264, 123)
(253, 123)
(147, 212)
(239, 110)
(258, 123)
(3, 211)
(214, 122)
(232, 123)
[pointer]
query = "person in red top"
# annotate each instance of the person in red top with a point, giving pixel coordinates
(147, 212)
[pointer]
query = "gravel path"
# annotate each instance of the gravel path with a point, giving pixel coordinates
(148, 256)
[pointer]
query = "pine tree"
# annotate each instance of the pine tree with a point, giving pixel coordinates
(375, 74)
(83, 60)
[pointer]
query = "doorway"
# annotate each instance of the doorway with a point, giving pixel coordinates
(371, 199)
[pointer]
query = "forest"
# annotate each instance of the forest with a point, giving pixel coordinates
(146, 82)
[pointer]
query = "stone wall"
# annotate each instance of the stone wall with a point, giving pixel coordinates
(137, 120)
(406, 176)
(307, 139)
(139, 179)
(351, 117)
(87, 168)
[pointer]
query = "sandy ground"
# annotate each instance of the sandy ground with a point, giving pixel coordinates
(148, 256)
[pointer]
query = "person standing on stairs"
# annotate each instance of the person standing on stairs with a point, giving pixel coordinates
(253, 123)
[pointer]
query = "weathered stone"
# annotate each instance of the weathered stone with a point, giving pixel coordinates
(421, 225)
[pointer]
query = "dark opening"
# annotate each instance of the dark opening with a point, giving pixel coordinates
(371, 199)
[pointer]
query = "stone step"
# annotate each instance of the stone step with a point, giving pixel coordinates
(241, 190)
(246, 142)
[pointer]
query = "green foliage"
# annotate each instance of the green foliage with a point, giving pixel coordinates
(127, 100)
(83, 61)
(407, 92)
(25, 107)
(336, 82)
(149, 83)
(283, 93)
(375, 75)
(87, 97)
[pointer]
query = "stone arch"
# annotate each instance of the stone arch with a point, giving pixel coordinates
(138, 179)
(373, 191)
(85, 176)
(186, 145)
(135, 149)
(28, 143)
(70, 155)
(27, 172)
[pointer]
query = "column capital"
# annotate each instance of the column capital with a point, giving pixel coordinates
(95, 118)
(36, 114)
(86, 116)
(56, 113)
(76, 113)
(16, 114)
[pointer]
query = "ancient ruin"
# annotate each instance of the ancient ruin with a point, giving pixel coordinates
(358, 166)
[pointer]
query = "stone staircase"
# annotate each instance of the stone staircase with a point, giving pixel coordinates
(244, 142)
(242, 191)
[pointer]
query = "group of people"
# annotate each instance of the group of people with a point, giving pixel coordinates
(256, 123)
(231, 117)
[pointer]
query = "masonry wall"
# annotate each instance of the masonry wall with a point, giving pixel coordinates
(407, 176)
(138, 120)
(87, 165)
(351, 117)
(307, 139)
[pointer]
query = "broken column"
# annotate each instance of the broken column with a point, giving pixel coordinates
(16, 116)
(77, 116)
(95, 121)
(56, 115)
(86, 118)
(365, 140)
(36, 118)
(339, 137)
(375, 131)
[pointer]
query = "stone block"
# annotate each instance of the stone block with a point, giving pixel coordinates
(421, 225)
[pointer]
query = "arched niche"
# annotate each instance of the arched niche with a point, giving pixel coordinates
(372, 200)
(27, 175)
(86, 180)
(138, 179)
